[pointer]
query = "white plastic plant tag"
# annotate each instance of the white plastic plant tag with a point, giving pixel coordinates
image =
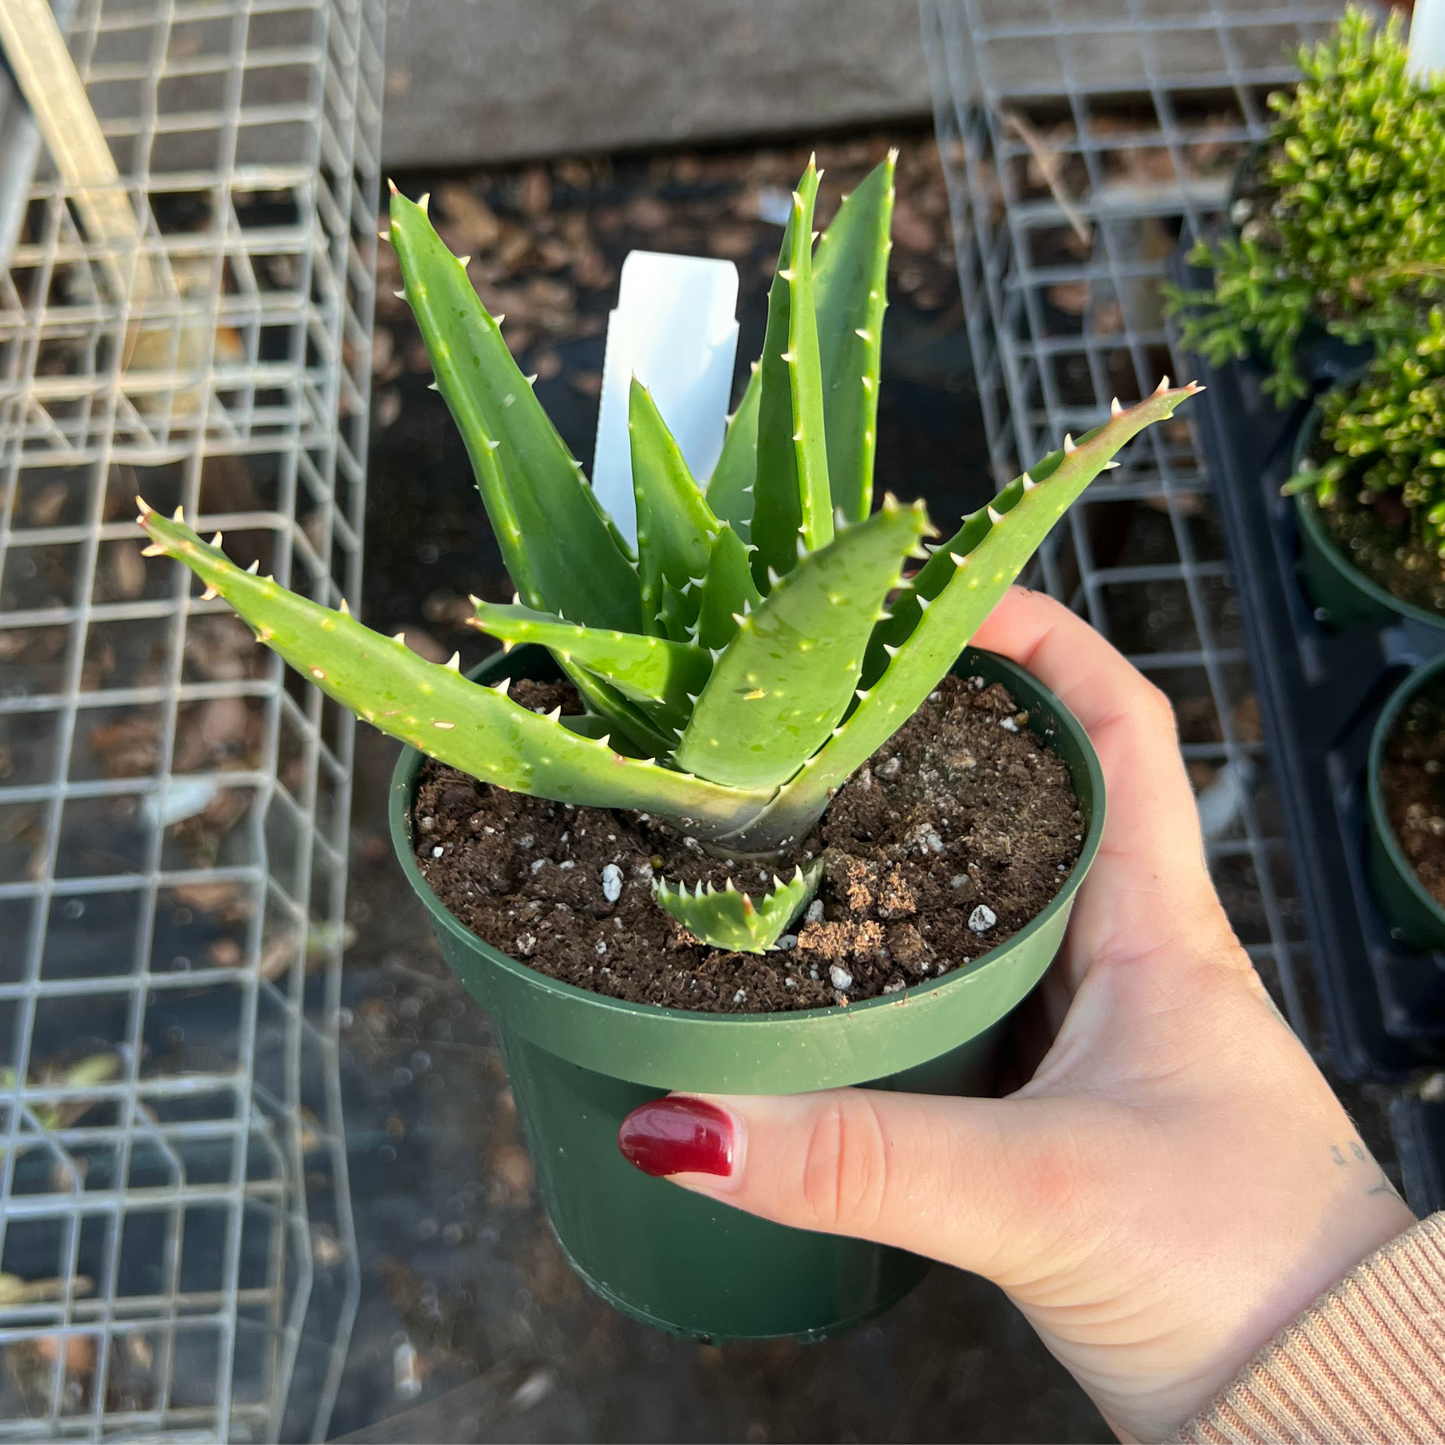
(1427, 39)
(675, 328)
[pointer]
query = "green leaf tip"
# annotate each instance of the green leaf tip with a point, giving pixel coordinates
(730, 918)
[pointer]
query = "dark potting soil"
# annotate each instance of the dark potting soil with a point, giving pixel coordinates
(957, 832)
(1412, 779)
(1374, 533)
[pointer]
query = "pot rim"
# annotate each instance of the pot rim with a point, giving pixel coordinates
(1379, 814)
(1307, 513)
(403, 787)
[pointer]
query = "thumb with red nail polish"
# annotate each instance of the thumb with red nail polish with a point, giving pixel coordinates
(677, 1136)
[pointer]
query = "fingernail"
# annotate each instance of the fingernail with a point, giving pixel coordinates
(677, 1136)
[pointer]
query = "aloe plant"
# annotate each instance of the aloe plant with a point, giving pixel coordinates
(766, 638)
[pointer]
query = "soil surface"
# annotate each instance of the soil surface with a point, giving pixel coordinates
(1373, 531)
(958, 831)
(1412, 779)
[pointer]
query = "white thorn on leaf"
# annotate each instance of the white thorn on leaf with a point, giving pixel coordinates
(209, 593)
(993, 516)
(531, 380)
(1110, 466)
(861, 693)
(890, 649)
(864, 332)
(454, 662)
(179, 515)
(1162, 387)
(1070, 445)
(1116, 407)
(501, 688)
(462, 261)
(924, 603)
(154, 550)
(789, 356)
(786, 273)
(958, 561)
(421, 205)
(399, 637)
(555, 714)
(255, 568)
(400, 295)
(343, 608)
(1029, 483)
(773, 579)
(432, 386)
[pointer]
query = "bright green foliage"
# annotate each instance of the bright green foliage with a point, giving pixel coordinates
(1387, 432)
(726, 658)
(727, 591)
(783, 682)
(675, 525)
(1353, 235)
(653, 672)
(792, 507)
(850, 284)
(727, 918)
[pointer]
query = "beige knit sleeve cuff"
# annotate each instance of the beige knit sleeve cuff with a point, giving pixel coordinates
(1365, 1364)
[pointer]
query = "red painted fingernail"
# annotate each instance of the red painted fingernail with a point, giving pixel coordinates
(677, 1136)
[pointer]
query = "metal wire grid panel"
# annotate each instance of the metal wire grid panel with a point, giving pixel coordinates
(1081, 139)
(176, 1250)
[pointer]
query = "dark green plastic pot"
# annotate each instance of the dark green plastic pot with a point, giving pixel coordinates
(580, 1062)
(1405, 902)
(1342, 595)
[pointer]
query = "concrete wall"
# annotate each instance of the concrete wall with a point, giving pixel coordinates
(487, 80)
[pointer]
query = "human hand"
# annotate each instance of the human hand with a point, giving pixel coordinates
(1176, 1181)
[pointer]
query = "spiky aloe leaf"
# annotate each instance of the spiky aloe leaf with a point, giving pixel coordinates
(850, 292)
(661, 675)
(729, 919)
(675, 525)
(730, 488)
(727, 591)
(978, 579)
(850, 285)
(432, 707)
(785, 679)
(790, 496)
(557, 543)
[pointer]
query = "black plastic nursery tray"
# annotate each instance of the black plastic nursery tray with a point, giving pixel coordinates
(1320, 693)
(1419, 1129)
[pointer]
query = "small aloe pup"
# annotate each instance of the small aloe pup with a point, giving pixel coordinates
(764, 641)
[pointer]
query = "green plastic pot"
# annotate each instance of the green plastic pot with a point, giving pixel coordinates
(1342, 595)
(579, 1063)
(1407, 905)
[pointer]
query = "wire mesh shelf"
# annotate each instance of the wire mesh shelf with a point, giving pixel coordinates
(176, 1250)
(1081, 139)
